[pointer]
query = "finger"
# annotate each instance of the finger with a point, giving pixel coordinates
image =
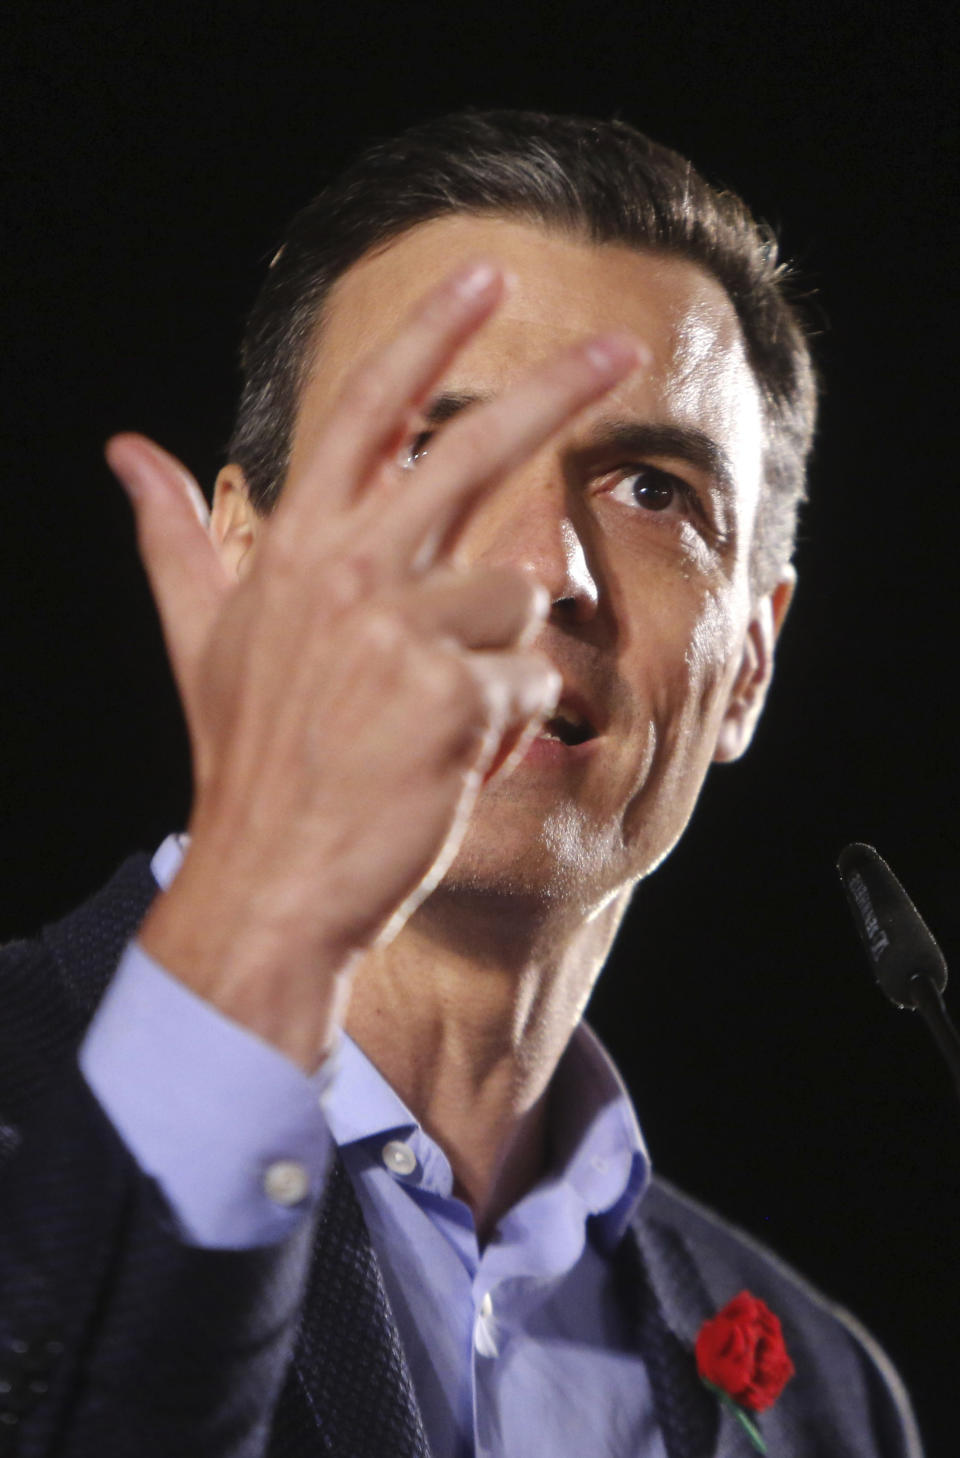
(373, 408)
(517, 687)
(186, 577)
(488, 607)
(487, 441)
(511, 749)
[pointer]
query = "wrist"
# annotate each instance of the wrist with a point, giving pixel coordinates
(244, 950)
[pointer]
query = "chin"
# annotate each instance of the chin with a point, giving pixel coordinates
(561, 854)
(556, 858)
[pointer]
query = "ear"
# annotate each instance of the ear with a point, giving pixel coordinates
(234, 522)
(749, 690)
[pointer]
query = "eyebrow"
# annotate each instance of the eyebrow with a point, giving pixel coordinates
(444, 407)
(679, 442)
(626, 437)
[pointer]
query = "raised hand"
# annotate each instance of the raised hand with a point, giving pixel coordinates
(346, 695)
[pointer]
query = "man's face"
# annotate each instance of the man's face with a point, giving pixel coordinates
(638, 519)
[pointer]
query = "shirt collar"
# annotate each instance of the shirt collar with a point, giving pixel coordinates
(168, 860)
(598, 1151)
(361, 1104)
(598, 1148)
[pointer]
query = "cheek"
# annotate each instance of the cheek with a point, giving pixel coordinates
(680, 705)
(687, 654)
(682, 691)
(712, 661)
(712, 648)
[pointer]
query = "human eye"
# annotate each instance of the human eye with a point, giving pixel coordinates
(653, 489)
(413, 451)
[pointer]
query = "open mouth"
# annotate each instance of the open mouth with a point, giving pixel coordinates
(568, 727)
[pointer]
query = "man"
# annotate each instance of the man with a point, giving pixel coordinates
(539, 410)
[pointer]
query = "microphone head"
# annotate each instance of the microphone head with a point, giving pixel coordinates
(898, 941)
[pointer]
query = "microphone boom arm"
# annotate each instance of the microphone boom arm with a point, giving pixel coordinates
(928, 1001)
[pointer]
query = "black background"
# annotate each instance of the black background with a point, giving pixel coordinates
(152, 159)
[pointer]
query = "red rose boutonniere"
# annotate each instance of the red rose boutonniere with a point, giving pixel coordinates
(741, 1357)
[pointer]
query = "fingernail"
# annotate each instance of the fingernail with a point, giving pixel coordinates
(539, 609)
(550, 690)
(475, 279)
(541, 601)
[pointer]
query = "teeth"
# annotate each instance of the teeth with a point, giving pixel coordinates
(566, 726)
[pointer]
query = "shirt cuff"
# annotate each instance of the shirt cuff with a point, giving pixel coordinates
(230, 1129)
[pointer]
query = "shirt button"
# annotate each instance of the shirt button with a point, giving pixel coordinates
(486, 1338)
(286, 1182)
(399, 1157)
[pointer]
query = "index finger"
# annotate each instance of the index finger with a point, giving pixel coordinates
(373, 407)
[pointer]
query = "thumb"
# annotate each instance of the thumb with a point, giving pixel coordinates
(186, 576)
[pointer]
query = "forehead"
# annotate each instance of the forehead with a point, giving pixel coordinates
(562, 289)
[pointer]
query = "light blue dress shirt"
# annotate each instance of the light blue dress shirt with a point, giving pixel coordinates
(515, 1349)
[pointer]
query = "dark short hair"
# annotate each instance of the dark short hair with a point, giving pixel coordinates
(600, 181)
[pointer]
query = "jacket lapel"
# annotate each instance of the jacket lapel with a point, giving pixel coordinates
(672, 1302)
(349, 1379)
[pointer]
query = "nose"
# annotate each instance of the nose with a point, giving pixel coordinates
(530, 523)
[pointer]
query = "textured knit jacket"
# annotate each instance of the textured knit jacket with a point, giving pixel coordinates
(117, 1340)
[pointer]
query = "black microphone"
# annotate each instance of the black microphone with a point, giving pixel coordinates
(906, 961)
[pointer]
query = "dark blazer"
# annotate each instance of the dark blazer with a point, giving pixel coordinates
(117, 1340)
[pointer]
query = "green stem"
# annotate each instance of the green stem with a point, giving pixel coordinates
(746, 1422)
